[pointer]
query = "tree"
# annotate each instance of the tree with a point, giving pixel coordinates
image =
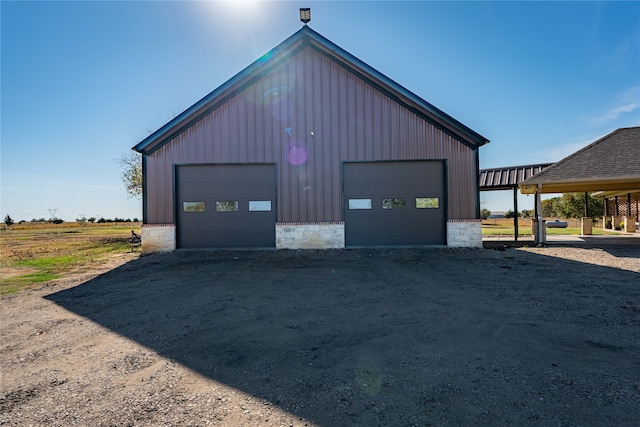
(485, 213)
(571, 205)
(510, 214)
(550, 207)
(131, 166)
(8, 221)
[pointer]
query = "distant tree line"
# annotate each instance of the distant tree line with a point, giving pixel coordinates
(569, 205)
(103, 220)
(53, 220)
(9, 221)
(116, 219)
(525, 213)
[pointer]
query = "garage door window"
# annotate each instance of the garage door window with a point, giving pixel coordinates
(359, 203)
(193, 207)
(259, 205)
(227, 206)
(395, 203)
(427, 203)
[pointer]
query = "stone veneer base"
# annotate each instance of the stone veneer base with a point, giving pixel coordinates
(320, 235)
(158, 237)
(464, 233)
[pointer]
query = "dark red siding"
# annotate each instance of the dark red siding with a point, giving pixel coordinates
(271, 121)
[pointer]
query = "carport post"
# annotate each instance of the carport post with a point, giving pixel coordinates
(540, 237)
(586, 225)
(515, 210)
(586, 205)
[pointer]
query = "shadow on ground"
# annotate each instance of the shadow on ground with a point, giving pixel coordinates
(627, 246)
(389, 337)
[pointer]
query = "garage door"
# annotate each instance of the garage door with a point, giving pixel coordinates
(226, 206)
(394, 203)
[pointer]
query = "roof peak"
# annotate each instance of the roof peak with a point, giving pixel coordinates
(307, 37)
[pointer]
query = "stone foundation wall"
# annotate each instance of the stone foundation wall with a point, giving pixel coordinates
(464, 233)
(158, 237)
(322, 235)
(586, 226)
(629, 224)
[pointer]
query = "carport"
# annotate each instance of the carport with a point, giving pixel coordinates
(609, 165)
(509, 178)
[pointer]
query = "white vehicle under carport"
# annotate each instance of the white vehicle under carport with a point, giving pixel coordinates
(557, 224)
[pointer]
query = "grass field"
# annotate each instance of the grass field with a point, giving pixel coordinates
(35, 253)
(504, 227)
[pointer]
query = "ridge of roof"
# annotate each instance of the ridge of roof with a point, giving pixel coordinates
(560, 163)
(533, 165)
(290, 46)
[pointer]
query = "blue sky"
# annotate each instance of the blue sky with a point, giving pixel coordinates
(82, 82)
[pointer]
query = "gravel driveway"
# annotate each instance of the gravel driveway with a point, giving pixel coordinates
(403, 337)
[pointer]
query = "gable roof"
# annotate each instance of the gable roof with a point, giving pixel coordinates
(610, 163)
(306, 37)
(508, 177)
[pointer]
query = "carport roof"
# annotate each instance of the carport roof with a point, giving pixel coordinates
(508, 177)
(611, 163)
(306, 37)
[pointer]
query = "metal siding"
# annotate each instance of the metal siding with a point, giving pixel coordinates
(351, 120)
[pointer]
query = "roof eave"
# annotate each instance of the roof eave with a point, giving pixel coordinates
(607, 194)
(218, 95)
(410, 99)
(621, 183)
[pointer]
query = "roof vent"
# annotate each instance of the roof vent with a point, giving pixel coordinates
(305, 14)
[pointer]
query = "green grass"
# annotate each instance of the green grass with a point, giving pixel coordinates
(35, 255)
(18, 283)
(48, 263)
(500, 230)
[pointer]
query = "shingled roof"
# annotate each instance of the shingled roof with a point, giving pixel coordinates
(611, 163)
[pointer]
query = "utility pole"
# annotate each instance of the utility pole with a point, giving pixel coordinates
(52, 213)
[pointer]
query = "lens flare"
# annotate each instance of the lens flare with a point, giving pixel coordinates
(296, 152)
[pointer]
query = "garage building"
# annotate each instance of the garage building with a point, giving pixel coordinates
(309, 147)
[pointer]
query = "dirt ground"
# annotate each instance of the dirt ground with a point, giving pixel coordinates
(398, 337)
